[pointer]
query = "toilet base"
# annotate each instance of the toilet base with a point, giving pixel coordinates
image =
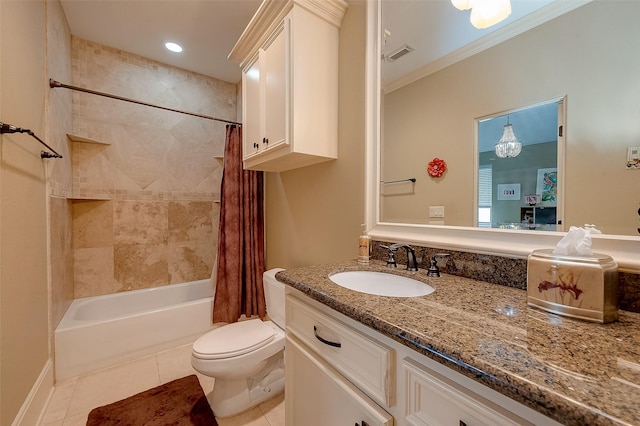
(233, 396)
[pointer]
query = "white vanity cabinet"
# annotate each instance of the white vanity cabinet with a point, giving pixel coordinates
(333, 372)
(374, 379)
(289, 60)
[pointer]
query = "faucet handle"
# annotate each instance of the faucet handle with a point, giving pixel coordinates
(434, 270)
(391, 259)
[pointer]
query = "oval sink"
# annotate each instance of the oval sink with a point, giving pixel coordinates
(381, 284)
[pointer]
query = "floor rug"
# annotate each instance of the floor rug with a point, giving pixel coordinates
(178, 403)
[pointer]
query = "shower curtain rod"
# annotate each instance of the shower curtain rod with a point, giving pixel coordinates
(53, 84)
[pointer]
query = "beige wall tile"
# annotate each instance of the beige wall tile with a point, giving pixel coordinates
(191, 261)
(92, 224)
(190, 221)
(140, 222)
(93, 271)
(139, 266)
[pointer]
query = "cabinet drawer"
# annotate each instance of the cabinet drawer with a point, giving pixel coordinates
(317, 395)
(434, 400)
(366, 362)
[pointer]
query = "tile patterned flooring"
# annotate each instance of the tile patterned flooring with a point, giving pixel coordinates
(73, 399)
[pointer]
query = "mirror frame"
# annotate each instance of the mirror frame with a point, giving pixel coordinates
(625, 250)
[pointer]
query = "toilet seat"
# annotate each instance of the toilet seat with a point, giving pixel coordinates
(233, 340)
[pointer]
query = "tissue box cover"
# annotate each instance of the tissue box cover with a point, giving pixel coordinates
(578, 287)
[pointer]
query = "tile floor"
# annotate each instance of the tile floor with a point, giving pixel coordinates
(73, 399)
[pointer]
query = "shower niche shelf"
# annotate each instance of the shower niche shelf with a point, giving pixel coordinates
(88, 198)
(82, 139)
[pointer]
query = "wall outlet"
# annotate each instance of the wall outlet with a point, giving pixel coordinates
(436, 211)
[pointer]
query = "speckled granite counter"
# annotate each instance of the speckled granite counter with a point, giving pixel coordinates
(576, 372)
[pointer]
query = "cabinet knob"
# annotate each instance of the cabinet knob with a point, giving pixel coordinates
(265, 140)
(363, 424)
(255, 144)
(462, 423)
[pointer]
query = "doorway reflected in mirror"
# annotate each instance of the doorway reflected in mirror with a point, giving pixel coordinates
(520, 191)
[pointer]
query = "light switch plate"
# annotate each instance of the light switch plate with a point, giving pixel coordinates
(436, 211)
(633, 158)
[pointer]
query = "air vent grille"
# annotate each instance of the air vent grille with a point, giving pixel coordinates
(399, 53)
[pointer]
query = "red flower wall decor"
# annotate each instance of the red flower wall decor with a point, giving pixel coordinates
(436, 167)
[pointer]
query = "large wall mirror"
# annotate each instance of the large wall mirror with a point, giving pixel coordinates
(433, 102)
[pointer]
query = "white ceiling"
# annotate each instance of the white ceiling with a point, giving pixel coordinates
(435, 29)
(206, 29)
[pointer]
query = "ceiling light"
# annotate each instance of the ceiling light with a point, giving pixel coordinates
(509, 146)
(174, 47)
(462, 4)
(486, 13)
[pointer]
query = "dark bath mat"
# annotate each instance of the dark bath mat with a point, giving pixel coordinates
(178, 403)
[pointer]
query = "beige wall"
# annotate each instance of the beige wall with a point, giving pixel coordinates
(437, 119)
(23, 256)
(313, 214)
(144, 211)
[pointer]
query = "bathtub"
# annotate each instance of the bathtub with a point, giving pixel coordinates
(101, 331)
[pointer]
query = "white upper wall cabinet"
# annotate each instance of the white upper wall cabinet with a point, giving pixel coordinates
(289, 58)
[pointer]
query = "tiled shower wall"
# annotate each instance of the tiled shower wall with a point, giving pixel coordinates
(144, 198)
(59, 177)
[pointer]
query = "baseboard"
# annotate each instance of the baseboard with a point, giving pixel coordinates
(35, 404)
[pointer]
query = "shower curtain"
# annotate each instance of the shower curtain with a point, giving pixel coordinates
(240, 262)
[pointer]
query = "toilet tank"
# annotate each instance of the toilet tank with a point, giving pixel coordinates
(274, 296)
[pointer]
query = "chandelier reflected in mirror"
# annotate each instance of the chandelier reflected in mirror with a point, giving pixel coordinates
(485, 13)
(509, 146)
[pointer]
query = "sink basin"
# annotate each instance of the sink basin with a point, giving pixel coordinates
(381, 284)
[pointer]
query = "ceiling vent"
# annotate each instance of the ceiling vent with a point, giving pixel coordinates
(399, 53)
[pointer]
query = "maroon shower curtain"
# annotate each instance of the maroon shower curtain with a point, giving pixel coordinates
(240, 237)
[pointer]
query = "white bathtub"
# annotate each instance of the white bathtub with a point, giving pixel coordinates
(101, 331)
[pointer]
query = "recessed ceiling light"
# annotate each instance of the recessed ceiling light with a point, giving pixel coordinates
(174, 47)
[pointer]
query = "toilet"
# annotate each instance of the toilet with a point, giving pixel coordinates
(246, 358)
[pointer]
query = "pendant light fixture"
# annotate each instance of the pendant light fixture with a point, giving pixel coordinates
(508, 146)
(462, 4)
(485, 13)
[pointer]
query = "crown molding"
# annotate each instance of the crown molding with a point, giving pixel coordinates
(271, 13)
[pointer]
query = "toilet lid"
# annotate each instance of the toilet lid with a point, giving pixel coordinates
(233, 340)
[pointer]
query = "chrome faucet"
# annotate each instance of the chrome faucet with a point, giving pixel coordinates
(412, 262)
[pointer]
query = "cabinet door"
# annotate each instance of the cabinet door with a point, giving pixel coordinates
(317, 395)
(251, 105)
(275, 66)
(433, 402)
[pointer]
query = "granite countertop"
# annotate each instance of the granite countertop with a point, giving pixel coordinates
(576, 372)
